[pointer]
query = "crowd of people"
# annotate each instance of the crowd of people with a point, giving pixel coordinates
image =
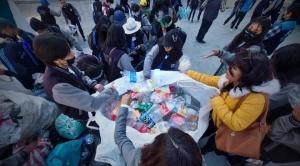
(255, 71)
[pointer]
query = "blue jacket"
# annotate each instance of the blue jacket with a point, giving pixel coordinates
(245, 5)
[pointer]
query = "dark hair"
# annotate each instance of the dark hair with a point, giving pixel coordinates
(295, 10)
(90, 65)
(264, 22)
(102, 28)
(50, 46)
(255, 69)
(286, 63)
(172, 148)
(4, 23)
(116, 37)
(135, 7)
(111, 12)
(119, 7)
(111, 1)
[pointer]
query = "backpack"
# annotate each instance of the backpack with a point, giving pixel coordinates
(96, 16)
(93, 40)
(182, 36)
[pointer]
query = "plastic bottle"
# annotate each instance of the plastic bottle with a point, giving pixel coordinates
(176, 120)
(155, 113)
(147, 121)
(189, 126)
(88, 139)
(141, 127)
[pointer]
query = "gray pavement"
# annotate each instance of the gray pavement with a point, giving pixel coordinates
(217, 37)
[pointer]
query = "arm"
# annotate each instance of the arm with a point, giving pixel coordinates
(206, 79)
(273, 31)
(226, 55)
(54, 13)
(270, 7)
(204, 4)
(66, 94)
(129, 152)
(65, 16)
(125, 63)
(85, 79)
(223, 6)
(246, 114)
(145, 45)
(71, 39)
(149, 60)
(146, 24)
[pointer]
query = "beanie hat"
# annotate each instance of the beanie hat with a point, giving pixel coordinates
(44, 2)
(170, 38)
(119, 17)
(36, 24)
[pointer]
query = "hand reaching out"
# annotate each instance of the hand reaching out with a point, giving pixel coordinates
(126, 99)
(99, 87)
(213, 53)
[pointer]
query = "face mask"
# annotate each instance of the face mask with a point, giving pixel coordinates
(71, 61)
(135, 13)
(249, 36)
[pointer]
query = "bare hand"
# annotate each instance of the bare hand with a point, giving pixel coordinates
(213, 53)
(138, 47)
(134, 53)
(112, 86)
(296, 112)
(99, 87)
(126, 99)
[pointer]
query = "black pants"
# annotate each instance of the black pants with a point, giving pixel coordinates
(238, 19)
(229, 18)
(205, 25)
(77, 22)
(274, 15)
(199, 14)
(193, 11)
(255, 14)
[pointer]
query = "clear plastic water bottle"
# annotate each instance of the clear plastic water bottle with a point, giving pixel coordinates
(155, 113)
(189, 126)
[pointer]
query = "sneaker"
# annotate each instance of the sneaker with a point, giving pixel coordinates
(84, 39)
(236, 28)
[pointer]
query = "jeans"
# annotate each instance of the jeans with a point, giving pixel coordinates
(205, 25)
(77, 22)
(192, 11)
(238, 19)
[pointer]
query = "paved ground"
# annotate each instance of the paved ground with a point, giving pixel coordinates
(217, 37)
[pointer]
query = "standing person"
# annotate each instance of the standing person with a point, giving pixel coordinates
(233, 12)
(241, 11)
(114, 55)
(64, 83)
(139, 16)
(169, 148)
(176, 4)
(268, 8)
(137, 42)
(47, 15)
(249, 75)
(250, 38)
(71, 13)
(98, 35)
(97, 10)
(165, 54)
(126, 7)
(14, 33)
(39, 27)
(106, 6)
(210, 14)
(200, 9)
(194, 5)
(281, 30)
(145, 8)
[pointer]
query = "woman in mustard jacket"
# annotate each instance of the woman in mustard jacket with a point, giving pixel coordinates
(248, 73)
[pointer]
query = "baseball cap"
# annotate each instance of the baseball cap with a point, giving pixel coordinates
(170, 38)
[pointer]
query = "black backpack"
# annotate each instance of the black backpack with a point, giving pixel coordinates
(182, 36)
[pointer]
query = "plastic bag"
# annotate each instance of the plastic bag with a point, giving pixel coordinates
(86, 150)
(184, 63)
(67, 153)
(68, 127)
(71, 29)
(182, 13)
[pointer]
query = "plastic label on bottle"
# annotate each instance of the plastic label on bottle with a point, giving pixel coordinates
(177, 119)
(132, 76)
(164, 109)
(147, 120)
